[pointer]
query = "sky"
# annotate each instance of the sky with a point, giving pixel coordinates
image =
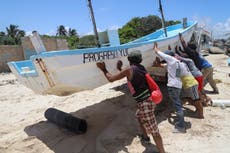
(45, 16)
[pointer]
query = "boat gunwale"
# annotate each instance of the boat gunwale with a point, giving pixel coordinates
(111, 48)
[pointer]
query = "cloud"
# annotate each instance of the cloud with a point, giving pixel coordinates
(204, 22)
(220, 29)
(67, 28)
(90, 32)
(114, 27)
(52, 33)
(28, 33)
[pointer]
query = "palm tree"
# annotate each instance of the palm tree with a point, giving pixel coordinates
(15, 34)
(20, 34)
(72, 32)
(2, 34)
(12, 31)
(61, 31)
(2, 37)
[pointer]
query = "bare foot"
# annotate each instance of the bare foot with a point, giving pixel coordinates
(198, 115)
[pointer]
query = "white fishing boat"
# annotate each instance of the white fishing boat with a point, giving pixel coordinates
(67, 71)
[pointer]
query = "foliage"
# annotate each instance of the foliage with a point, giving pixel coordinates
(61, 31)
(72, 32)
(5, 40)
(171, 22)
(2, 34)
(135, 28)
(138, 27)
(12, 36)
(72, 42)
(87, 41)
(70, 35)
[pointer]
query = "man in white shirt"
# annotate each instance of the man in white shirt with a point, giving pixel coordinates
(174, 86)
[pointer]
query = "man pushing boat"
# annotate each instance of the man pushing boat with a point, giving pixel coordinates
(139, 88)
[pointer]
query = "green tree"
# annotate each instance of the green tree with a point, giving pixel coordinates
(61, 31)
(14, 35)
(72, 38)
(2, 34)
(128, 32)
(72, 32)
(149, 24)
(20, 34)
(73, 42)
(12, 31)
(171, 22)
(138, 27)
(87, 41)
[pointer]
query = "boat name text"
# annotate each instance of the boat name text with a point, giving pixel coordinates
(103, 55)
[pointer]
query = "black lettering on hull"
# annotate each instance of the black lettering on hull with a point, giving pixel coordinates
(104, 55)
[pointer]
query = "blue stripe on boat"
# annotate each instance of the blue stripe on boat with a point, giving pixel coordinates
(20, 65)
(150, 38)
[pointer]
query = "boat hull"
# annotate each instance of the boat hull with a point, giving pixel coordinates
(65, 72)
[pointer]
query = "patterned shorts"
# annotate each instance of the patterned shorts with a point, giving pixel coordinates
(145, 113)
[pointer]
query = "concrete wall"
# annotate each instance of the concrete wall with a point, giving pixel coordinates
(9, 53)
(49, 43)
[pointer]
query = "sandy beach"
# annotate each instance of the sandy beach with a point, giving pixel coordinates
(110, 114)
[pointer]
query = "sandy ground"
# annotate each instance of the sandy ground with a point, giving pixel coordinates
(112, 126)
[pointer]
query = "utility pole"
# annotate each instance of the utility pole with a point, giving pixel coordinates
(163, 19)
(94, 23)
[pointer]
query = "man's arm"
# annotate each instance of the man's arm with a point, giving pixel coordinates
(182, 41)
(158, 63)
(190, 52)
(109, 76)
(166, 57)
(180, 52)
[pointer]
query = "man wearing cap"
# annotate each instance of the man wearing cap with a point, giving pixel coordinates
(135, 75)
(174, 86)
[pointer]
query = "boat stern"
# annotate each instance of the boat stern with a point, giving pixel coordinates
(27, 74)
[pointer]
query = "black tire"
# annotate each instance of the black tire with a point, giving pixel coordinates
(65, 120)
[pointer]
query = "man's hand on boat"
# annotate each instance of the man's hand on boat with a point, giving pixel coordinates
(155, 47)
(119, 65)
(101, 65)
(182, 40)
(181, 37)
(176, 49)
(169, 47)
